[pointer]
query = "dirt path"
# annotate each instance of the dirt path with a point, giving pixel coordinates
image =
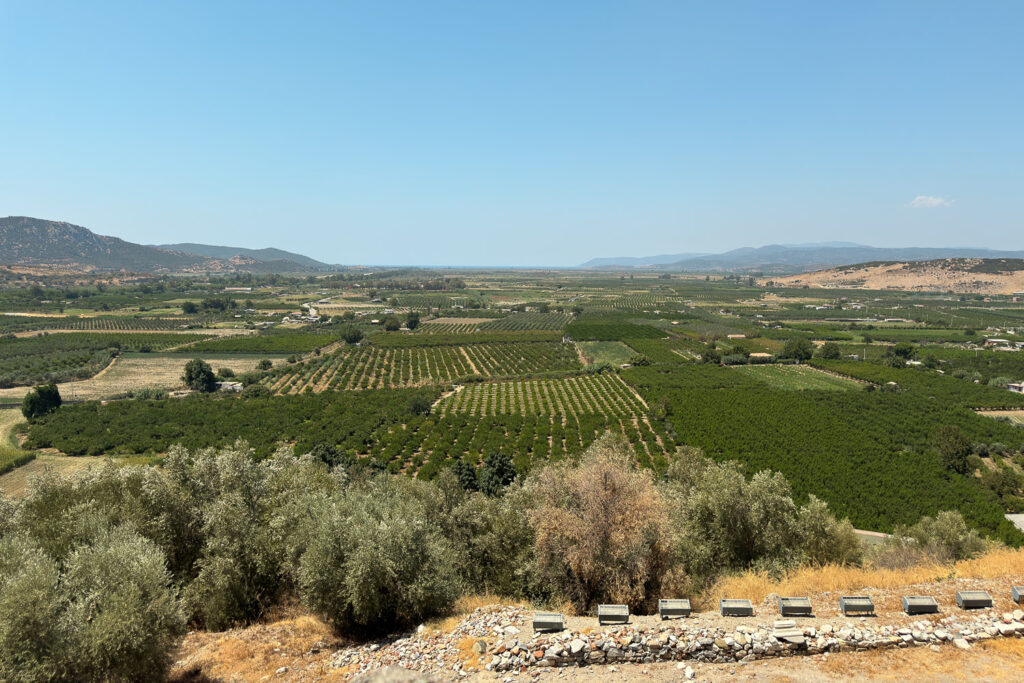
(582, 356)
(469, 360)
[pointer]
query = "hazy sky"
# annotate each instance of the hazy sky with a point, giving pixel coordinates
(518, 132)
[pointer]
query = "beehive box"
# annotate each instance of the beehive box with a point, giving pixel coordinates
(856, 604)
(673, 608)
(795, 607)
(920, 604)
(548, 621)
(612, 614)
(1018, 594)
(973, 599)
(736, 608)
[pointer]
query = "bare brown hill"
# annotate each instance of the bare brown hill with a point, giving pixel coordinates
(973, 275)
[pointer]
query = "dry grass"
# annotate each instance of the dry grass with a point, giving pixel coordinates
(299, 641)
(130, 373)
(839, 579)
(15, 482)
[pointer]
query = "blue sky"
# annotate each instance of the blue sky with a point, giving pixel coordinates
(516, 133)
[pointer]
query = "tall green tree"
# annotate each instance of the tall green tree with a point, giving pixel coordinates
(496, 473)
(954, 448)
(798, 348)
(40, 401)
(829, 351)
(199, 376)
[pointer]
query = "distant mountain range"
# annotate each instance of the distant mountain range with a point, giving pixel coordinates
(794, 258)
(37, 242)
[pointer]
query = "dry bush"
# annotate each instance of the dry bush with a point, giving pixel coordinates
(601, 529)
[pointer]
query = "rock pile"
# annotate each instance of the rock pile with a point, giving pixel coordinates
(679, 641)
(437, 652)
(501, 639)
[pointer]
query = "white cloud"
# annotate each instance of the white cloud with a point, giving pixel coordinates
(923, 201)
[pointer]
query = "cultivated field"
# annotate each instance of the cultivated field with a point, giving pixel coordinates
(370, 367)
(131, 373)
(1014, 416)
(615, 353)
(603, 394)
(16, 482)
(797, 377)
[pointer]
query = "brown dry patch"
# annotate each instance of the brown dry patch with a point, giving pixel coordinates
(16, 482)
(994, 660)
(302, 643)
(934, 276)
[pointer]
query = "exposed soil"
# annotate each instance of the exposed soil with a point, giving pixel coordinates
(954, 275)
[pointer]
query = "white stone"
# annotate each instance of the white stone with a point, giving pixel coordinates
(961, 643)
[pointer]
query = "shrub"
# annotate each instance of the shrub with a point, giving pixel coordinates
(497, 543)
(942, 539)
(721, 521)
(823, 539)
(31, 639)
(42, 400)
(111, 614)
(123, 610)
(375, 560)
(264, 364)
(255, 391)
(600, 527)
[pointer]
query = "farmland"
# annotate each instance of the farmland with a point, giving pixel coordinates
(129, 373)
(61, 357)
(614, 352)
(797, 377)
(603, 394)
(528, 365)
(264, 344)
(370, 367)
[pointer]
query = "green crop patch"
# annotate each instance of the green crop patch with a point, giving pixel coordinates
(373, 367)
(602, 393)
(611, 352)
(264, 343)
(591, 330)
(797, 377)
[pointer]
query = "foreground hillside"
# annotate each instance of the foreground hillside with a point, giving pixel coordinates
(489, 641)
(968, 275)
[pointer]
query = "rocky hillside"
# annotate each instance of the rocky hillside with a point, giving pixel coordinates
(28, 241)
(966, 275)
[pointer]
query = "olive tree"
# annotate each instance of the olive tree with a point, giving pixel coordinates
(375, 559)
